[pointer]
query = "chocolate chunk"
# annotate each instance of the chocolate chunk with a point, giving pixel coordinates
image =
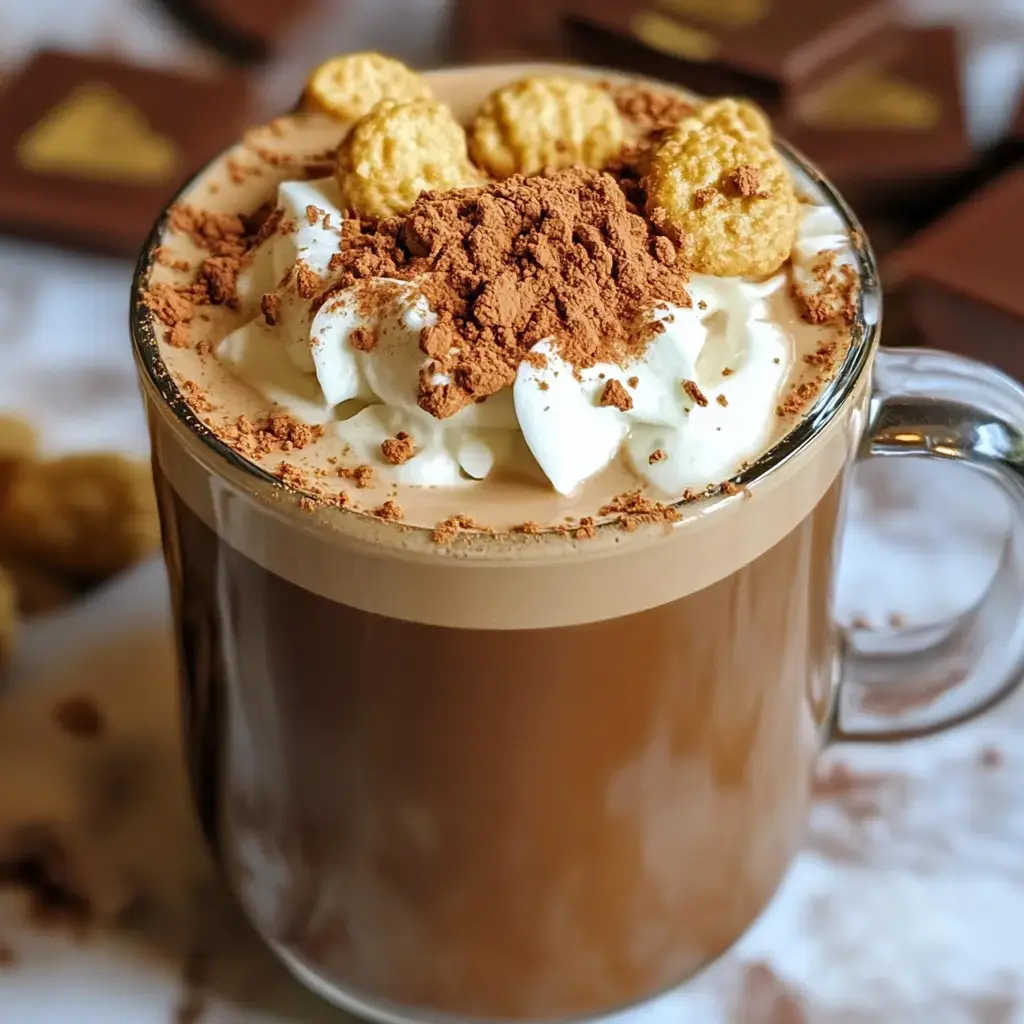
(92, 148)
(770, 51)
(245, 30)
(962, 277)
(890, 133)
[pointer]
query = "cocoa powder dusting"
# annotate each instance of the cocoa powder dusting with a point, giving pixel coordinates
(447, 530)
(586, 529)
(165, 258)
(633, 509)
(177, 336)
(529, 527)
(515, 262)
(651, 110)
(168, 304)
(277, 434)
(361, 476)
(220, 234)
(837, 295)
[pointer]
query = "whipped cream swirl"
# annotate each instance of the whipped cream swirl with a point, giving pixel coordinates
(704, 394)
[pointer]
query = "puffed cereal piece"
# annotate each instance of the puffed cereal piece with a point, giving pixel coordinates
(736, 117)
(398, 151)
(545, 121)
(728, 201)
(349, 87)
(82, 516)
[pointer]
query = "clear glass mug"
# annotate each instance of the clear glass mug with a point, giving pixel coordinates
(555, 786)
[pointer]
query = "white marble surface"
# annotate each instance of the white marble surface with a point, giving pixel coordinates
(906, 906)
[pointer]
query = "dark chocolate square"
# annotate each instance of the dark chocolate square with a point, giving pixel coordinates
(91, 149)
(482, 30)
(890, 132)
(962, 276)
(770, 50)
(242, 29)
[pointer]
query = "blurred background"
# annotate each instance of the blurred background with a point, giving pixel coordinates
(907, 904)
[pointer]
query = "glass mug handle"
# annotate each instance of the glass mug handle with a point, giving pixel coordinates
(944, 406)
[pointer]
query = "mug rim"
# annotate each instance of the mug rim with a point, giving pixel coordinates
(864, 331)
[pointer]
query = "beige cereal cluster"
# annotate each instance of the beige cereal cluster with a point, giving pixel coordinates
(545, 121)
(398, 151)
(719, 189)
(349, 87)
(65, 524)
(83, 517)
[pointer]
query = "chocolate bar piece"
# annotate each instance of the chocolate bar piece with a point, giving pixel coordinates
(482, 30)
(770, 50)
(91, 148)
(962, 277)
(244, 30)
(891, 133)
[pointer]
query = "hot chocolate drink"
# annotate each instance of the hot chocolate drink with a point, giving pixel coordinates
(500, 524)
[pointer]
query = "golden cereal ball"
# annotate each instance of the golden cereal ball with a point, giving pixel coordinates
(736, 117)
(728, 202)
(398, 151)
(349, 87)
(542, 122)
(83, 516)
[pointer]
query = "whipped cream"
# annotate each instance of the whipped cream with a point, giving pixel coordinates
(731, 343)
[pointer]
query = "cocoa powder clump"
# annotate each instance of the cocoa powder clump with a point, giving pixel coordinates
(270, 306)
(390, 512)
(504, 266)
(616, 395)
(633, 509)
(746, 181)
(398, 449)
(220, 234)
(651, 109)
(363, 339)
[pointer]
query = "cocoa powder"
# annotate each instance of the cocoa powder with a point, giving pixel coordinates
(651, 109)
(557, 256)
(399, 449)
(615, 394)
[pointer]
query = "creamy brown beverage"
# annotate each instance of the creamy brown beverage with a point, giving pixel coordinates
(505, 657)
